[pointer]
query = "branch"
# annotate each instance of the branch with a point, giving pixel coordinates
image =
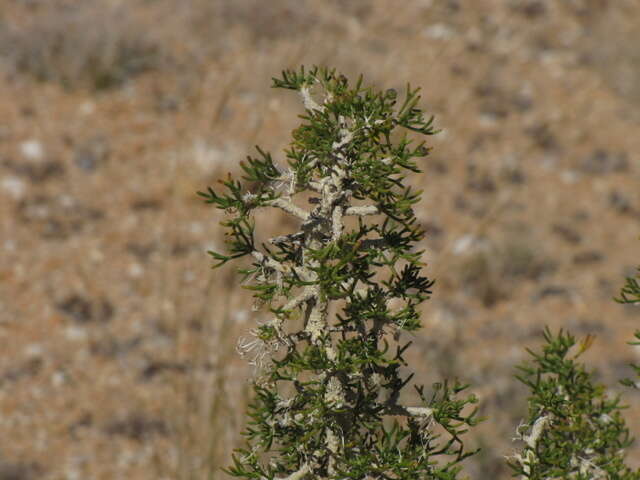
(374, 243)
(336, 220)
(538, 427)
(298, 475)
(531, 440)
(270, 262)
(418, 411)
(296, 238)
(362, 210)
(408, 411)
(347, 136)
(307, 294)
(289, 207)
(315, 186)
(309, 103)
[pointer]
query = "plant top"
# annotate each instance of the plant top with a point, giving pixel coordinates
(340, 289)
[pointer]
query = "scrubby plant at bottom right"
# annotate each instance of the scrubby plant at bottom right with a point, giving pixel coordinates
(574, 429)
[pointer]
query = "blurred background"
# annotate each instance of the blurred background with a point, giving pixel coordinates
(118, 342)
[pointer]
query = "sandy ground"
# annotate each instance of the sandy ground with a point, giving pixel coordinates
(118, 342)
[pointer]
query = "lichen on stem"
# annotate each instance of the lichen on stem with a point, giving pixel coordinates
(327, 403)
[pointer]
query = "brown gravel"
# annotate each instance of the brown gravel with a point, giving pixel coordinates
(118, 342)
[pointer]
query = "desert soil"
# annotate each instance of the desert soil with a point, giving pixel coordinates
(117, 340)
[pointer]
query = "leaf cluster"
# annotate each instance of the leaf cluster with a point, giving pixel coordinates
(574, 429)
(327, 400)
(327, 404)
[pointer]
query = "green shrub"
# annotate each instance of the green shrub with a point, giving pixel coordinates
(329, 392)
(630, 294)
(574, 430)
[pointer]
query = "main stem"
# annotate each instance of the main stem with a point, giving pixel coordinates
(320, 227)
(329, 212)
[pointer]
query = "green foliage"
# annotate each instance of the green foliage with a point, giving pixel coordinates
(630, 294)
(327, 393)
(574, 429)
(627, 381)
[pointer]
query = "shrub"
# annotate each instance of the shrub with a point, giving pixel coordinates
(574, 430)
(329, 393)
(630, 294)
(85, 45)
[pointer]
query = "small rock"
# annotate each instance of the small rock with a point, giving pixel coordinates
(591, 256)
(530, 8)
(56, 217)
(13, 186)
(601, 162)
(27, 369)
(522, 102)
(20, 471)
(40, 171)
(91, 155)
(32, 150)
(196, 228)
(137, 426)
(482, 184)
(180, 249)
(438, 166)
(141, 251)
(167, 103)
(543, 136)
(87, 108)
(550, 291)
(75, 334)
(432, 229)
(58, 379)
(146, 204)
(96, 255)
(581, 325)
(581, 215)
(569, 176)
(156, 367)
(135, 270)
(34, 350)
(241, 316)
(513, 175)
(9, 245)
(466, 243)
(454, 6)
(620, 202)
(439, 31)
(82, 310)
(567, 233)
(111, 347)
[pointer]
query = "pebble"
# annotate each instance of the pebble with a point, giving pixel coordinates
(75, 333)
(87, 108)
(438, 31)
(601, 162)
(196, 228)
(464, 244)
(58, 379)
(241, 316)
(135, 270)
(34, 350)
(32, 150)
(14, 186)
(569, 176)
